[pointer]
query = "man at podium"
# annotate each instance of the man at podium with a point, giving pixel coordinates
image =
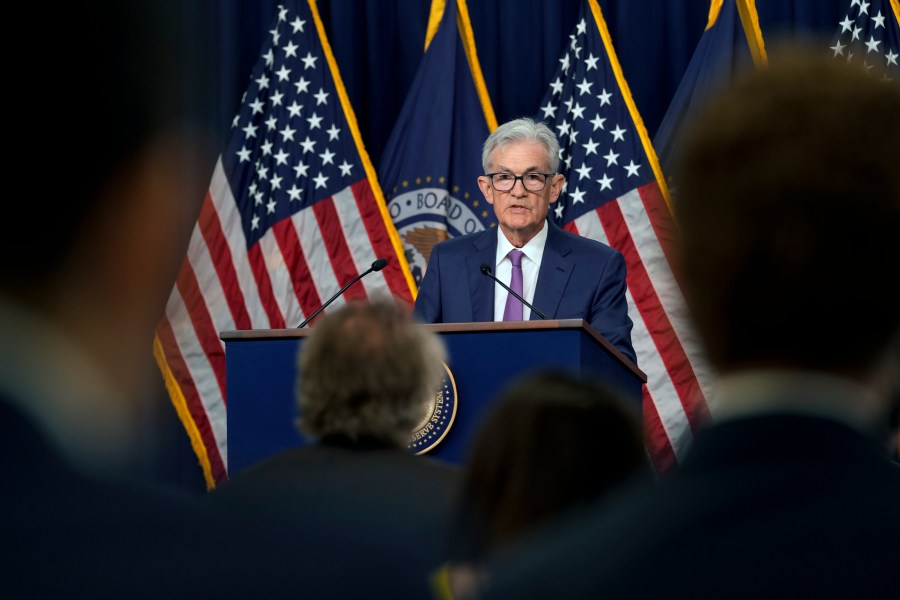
(528, 268)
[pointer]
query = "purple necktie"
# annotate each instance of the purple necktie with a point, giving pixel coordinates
(513, 310)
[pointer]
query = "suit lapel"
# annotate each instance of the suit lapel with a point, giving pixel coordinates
(554, 274)
(482, 287)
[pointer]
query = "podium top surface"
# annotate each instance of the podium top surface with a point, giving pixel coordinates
(486, 327)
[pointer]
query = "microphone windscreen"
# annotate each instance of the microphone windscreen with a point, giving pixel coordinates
(379, 264)
(485, 269)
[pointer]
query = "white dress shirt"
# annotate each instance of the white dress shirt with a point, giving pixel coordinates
(531, 265)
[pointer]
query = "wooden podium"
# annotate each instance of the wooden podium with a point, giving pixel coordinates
(261, 371)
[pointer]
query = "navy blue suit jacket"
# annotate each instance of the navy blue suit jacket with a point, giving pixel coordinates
(580, 278)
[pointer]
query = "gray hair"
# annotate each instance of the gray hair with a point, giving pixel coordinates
(366, 371)
(521, 130)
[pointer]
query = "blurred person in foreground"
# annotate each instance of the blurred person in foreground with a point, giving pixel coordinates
(109, 167)
(789, 204)
(372, 513)
(555, 442)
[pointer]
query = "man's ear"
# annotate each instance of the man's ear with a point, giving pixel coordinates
(557, 182)
(487, 189)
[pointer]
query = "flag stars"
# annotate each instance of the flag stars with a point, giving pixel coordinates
(333, 132)
(879, 20)
(549, 111)
(270, 206)
(590, 147)
(604, 97)
(872, 44)
(315, 121)
(308, 145)
(321, 97)
(243, 154)
(838, 49)
(287, 134)
(345, 168)
(277, 98)
(276, 182)
(269, 58)
(581, 28)
(557, 86)
(254, 222)
(891, 57)
(297, 25)
(577, 111)
(598, 122)
(283, 73)
(577, 197)
(846, 24)
(584, 87)
(559, 210)
(591, 61)
(262, 172)
(256, 106)
(294, 109)
(281, 157)
(263, 82)
(565, 62)
(271, 123)
(584, 172)
(612, 158)
(327, 157)
(618, 134)
(632, 169)
(266, 148)
(309, 61)
(294, 193)
(605, 182)
(320, 180)
(250, 130)
(563, 128)
(856, 32)
(302, 85)
(864, 8)
(300, 169)
(258, 198)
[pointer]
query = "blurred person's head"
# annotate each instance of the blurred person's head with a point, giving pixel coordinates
(108, 171)
(789, 207)
(553, 441)
(367, 370)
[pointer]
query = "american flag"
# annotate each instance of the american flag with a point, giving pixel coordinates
(615, 193)
(293, 213)
(870, 32)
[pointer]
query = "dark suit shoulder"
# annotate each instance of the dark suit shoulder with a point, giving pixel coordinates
(464, 243)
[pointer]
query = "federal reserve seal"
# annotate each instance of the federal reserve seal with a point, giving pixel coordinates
(438, 413)
(429, 215)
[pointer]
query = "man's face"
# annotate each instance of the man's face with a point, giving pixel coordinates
(520, 212)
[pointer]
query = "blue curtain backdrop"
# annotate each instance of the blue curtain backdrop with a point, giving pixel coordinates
(378, 45)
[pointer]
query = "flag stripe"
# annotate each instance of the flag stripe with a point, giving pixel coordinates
(231, 232)
(202, 421)
(208, 223)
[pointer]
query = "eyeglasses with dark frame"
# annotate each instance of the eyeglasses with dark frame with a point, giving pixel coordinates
(533, 182)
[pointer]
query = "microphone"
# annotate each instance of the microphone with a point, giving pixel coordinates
(486, 270)
(377, 265)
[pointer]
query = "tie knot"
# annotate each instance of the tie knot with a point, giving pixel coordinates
(515, 257)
